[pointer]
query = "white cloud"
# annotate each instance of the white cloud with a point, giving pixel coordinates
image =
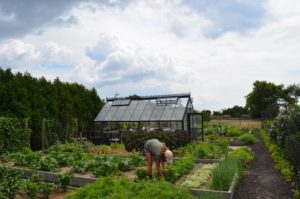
(150, 47)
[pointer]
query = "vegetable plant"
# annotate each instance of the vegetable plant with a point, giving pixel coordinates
(249, 138)
(180, 168)
(65, 180)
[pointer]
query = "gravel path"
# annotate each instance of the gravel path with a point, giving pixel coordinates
(261, 179)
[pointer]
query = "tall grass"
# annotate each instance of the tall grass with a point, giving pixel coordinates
(224, 173)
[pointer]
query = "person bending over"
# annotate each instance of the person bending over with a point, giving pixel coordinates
(154, 149)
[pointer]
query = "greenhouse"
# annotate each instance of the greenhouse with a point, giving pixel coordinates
(170, 113)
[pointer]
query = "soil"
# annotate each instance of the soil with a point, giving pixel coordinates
(261, 179)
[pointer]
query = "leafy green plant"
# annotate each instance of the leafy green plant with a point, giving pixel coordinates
(200, 177)
(244, 154)
(9, 182)
(65, 180)
(282, 164)
(249, 138)
(180, 168)
(109, 188)
(30, 189)
(225, 172)
(142, 174)
(14, 134)
(205, 150)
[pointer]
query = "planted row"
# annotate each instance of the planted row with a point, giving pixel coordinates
(11, 185)
(77, 159)
(205, 150)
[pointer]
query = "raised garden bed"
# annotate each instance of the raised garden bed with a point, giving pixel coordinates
(224, 194)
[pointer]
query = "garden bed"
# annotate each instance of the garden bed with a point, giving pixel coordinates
(224, 194)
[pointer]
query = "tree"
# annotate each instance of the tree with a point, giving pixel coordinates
(206, 115)
(262, 100)
(236, 111)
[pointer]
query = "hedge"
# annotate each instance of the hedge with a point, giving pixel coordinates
(14, 134)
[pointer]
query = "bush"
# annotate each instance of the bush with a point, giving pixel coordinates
(136, 141)
(9, 182)
(14, 134)
(249, 138)
(225, 172)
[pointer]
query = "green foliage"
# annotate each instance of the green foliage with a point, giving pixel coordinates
(200, 177)
(108, 187)
(225, 172)
(249, 138)
(9, 182)
(262, 100)
(35, 160)
(282, 164)
(14, 134)
(23, 96)
(65, 180)
(136, 141)
(244, 154)
(236, 111)
(142, 174)
(205, 150)
(180, 168)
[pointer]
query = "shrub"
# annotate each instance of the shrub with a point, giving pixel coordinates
(249, 138)
(65, 180)
(14, 134)
(224, 173)
(9, 182)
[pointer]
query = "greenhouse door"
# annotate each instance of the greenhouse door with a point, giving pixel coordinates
(196, 126)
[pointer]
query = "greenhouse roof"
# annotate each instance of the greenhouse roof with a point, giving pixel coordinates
(145, 108)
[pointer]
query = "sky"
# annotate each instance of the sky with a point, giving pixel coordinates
(213, 49)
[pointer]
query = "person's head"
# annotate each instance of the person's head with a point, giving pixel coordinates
(166, 154)
(169, 156)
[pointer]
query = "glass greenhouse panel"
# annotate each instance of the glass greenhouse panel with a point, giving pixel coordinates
(178, 113)
(147, 111)
(119, 113)
(157, 112)
(138, 111)
(129, 111)
(110, 114)
(103, 112)
(167, 114)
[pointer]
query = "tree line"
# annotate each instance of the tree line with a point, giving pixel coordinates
(262, 102)
(23, 96)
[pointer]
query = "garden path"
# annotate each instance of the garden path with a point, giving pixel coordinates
(261, 179)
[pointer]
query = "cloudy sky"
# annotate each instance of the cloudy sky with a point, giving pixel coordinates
(214, 49)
